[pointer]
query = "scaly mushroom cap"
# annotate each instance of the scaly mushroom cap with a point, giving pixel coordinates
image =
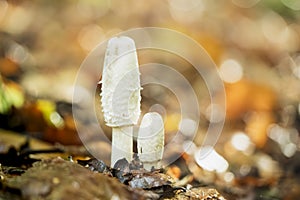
(150, 139)
(120, 94)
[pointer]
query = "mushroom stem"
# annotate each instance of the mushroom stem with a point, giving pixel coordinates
(122, 144)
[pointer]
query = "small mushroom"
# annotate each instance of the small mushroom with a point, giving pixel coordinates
(150, 141)
(120, 95)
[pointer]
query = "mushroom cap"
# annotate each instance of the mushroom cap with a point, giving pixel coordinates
(120, 94)
(150, 139)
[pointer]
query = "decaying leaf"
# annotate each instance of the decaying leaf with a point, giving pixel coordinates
(149, 180)
(201, 193)
(58, 179)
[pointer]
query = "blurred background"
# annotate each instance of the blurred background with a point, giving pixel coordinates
(255, 45)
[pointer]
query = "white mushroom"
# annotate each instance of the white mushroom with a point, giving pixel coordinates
(120, 95)
(150, 141)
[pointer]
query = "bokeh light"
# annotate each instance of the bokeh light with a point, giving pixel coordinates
(207, 158)
(231, 71)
